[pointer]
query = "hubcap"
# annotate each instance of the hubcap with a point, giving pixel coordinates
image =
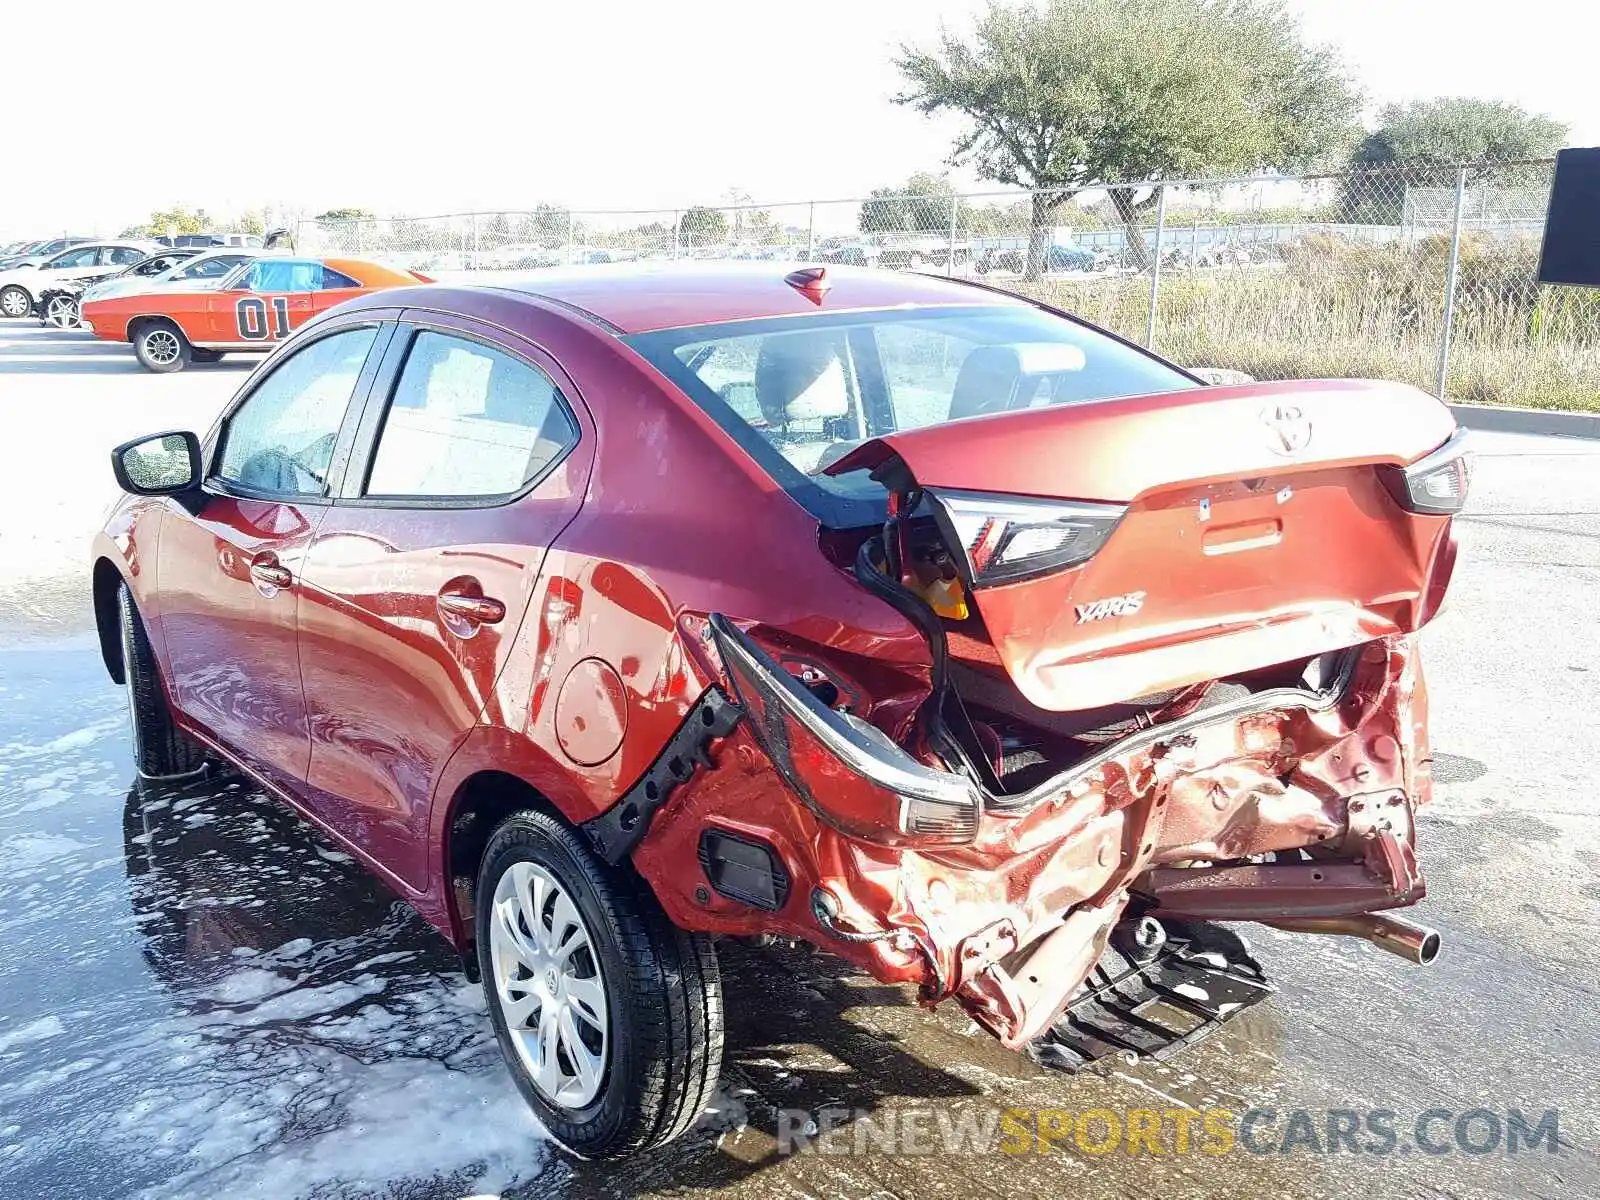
(547, 979)
(13, 304)
(61, 313)
(161, 346)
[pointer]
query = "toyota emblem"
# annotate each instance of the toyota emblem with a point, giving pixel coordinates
(1288, 428)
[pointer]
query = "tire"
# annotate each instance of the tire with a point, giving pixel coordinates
(162, 347)
(205, 356)
(653, 1065)
(15, 301)
(160, 750)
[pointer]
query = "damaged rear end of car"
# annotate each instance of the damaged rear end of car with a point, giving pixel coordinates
(1172, 676)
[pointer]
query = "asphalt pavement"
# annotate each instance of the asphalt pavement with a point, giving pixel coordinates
(199, 997)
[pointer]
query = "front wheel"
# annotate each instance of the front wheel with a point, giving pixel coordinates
(161, 347)
(160, 750)
(62, 312)
(15, 301)
(609, 1016)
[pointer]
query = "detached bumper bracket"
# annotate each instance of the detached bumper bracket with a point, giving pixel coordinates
(615, 832)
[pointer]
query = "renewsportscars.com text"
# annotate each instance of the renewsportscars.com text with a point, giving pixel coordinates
(1169, 1131)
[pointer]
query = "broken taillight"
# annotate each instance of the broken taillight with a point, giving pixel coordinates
(1436, 483)
(1004, 539)
(846, 770)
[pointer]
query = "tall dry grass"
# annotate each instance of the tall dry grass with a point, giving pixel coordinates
(1341, 309)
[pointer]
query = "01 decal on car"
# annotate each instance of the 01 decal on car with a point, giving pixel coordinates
(251, 314)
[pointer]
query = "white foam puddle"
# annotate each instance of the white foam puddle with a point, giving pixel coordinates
(229, 1008)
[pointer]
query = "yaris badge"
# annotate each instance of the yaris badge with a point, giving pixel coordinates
(1289, 429)
(1124, 605)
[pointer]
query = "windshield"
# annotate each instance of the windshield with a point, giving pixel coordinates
(798, 393)
(213, 267)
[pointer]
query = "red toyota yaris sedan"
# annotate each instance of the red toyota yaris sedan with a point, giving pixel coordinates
(607, 611)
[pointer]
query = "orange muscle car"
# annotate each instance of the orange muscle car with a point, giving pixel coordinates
(262, 302)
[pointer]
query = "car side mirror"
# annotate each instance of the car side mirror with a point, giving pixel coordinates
(161, 465)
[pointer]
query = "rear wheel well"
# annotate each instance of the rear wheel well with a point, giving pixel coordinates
(138, 323)
(106, 618)
(482, 803)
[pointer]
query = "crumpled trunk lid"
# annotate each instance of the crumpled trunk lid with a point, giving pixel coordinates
(1258, 531)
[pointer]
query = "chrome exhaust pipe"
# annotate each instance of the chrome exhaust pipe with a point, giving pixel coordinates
(1414, 943)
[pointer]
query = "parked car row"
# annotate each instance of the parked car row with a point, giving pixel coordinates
(60, 303)
(1057, 260)
(30, 254)
(177, 305)
(22, 282)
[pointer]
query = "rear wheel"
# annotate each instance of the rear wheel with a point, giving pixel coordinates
(162, 347)
(609, 1016)
(15, 301)
(160, 750)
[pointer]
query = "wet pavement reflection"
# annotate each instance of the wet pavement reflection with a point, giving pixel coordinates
(199, 997)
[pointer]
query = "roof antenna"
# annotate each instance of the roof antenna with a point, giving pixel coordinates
(810, 282)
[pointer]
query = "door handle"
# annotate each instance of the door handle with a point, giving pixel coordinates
(268, 572)
(478, 610)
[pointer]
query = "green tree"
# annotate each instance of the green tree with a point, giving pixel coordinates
(919, 205)
(702, 226)
(1079, 94)
(177, 219)
(1451, 131)
(346, 214)
(1424, 144)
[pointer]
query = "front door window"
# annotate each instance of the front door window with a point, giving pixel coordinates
(280, 441)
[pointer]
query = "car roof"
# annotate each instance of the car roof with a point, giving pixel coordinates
(640, 297)
(367, 272)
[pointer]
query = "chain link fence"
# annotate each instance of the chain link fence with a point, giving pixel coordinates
(1426, 275)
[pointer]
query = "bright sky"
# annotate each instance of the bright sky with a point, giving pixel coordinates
(416, 107)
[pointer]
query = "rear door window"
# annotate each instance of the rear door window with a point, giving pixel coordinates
(76, 258)
(468, 421)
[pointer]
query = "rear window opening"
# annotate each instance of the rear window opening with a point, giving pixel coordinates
(798, 393)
